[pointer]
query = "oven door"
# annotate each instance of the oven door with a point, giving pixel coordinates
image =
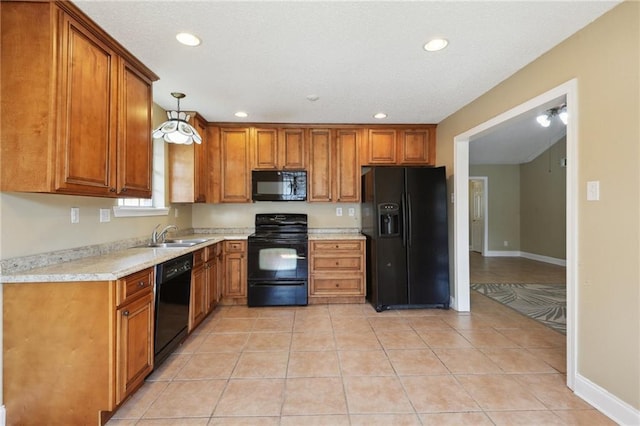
(276, 259)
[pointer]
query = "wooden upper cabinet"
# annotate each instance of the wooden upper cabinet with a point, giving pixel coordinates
(278, 149)
(346, 173)
(400, 146)
(381, 146)
(417, 146)
(135, 149)
(188, 167)
(86, 139)
(334, 165)
(292, 152)
(319, 172)
(265, 143)
(83, 104)
(235, 171)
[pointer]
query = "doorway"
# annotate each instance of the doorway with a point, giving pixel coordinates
(461, 299)
(478, 214)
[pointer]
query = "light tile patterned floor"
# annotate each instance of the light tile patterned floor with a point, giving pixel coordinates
(349, 365)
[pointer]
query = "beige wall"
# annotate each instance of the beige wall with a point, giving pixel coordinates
(503, 204)
(604, 58)
(543, 193)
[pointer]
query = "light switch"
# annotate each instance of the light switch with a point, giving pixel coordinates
(352, 211)
(593, 190)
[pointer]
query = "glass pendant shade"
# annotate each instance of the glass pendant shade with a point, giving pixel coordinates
(177, 129)
(564, 115)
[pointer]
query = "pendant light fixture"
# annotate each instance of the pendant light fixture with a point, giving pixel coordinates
(177, 129)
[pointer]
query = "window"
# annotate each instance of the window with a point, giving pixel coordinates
(155, 206)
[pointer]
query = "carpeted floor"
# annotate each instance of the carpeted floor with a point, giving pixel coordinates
(546, 303)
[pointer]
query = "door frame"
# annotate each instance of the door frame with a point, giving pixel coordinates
(485, 213)
(461, 299)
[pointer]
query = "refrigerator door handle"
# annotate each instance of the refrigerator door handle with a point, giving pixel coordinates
(403, 202)
(408, 197)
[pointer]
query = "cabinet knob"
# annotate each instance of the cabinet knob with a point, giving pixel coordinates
(124, 189)
(141, 284)
(337, 263)
(337, 285)
(125, 313)
(112, 190)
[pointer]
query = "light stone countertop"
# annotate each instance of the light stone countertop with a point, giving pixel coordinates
(111, 266)
(120, 263)
(336, 236)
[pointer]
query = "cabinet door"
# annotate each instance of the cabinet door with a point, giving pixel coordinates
(292, 151)
(134, 345)
(135, 154)
(235, 283)
(381, 146)
(188, 173)
(235, 179)
(417, 146)
(265, 145)
(347, 166)
(86, 139)
(319, 172)
(198, 301)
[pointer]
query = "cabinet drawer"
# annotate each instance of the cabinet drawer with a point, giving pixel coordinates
(337, 263)
(134, 285)
(235, 246)
(199, 257)
(336, 245)
(336, 285)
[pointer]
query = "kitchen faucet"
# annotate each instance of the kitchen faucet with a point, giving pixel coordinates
(157, 237)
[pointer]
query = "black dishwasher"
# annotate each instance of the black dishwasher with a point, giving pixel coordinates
(173, 290)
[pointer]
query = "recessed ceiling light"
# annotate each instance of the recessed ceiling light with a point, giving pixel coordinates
(436, 44)
(241, 114)
(380, 115)
(188, 39)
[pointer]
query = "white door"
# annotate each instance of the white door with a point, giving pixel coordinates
(476, 213)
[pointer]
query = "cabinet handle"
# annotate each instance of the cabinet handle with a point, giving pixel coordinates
(124, 189)
(125, 313)
(112, 190)
(141, 284)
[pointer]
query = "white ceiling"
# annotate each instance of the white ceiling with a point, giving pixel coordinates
(358, 57)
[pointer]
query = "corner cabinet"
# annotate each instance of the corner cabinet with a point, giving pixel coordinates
(82, 102)
(57, 335)
(334, 165)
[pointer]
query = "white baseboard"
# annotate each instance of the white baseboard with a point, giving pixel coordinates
(532, 256)
(610, 405)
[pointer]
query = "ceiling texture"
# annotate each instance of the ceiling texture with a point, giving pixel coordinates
(358, 58)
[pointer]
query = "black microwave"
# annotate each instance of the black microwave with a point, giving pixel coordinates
(279, 185)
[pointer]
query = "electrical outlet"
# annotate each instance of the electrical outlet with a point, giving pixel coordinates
(175, 212)
(593, 190)
(338, 211)
(352, 211)
(506, 243)
(75, 214)
(105, 215)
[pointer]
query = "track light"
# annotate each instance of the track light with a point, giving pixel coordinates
(561, 111)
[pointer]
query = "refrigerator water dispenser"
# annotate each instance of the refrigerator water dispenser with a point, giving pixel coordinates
(389, 219)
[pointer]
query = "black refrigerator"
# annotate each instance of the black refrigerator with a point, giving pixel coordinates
(404, 217)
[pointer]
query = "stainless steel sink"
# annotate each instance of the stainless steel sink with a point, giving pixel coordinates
(176, 243)
(190, 241)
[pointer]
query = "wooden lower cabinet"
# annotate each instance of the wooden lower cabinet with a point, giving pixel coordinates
(235, 272)
(73, 351)
(198, 298)
(337, 271)
(213, 267)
